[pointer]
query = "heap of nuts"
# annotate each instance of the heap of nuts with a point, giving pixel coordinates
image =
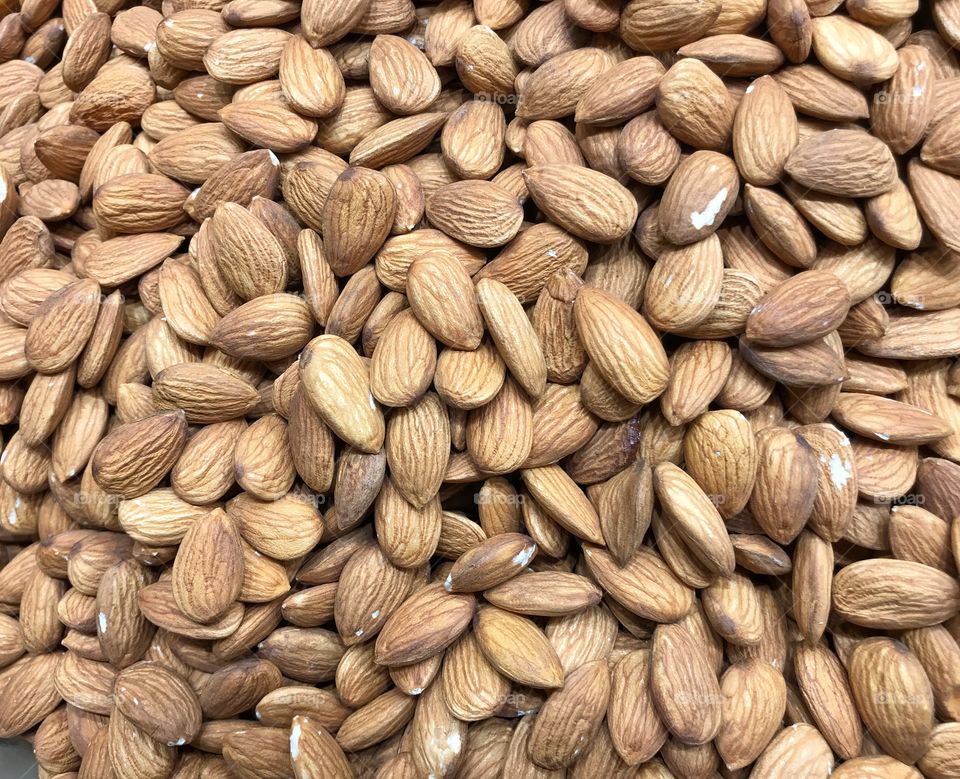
(480, 389)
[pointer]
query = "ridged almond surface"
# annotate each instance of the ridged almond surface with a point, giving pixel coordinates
(797, 750)
(61, 325)
(893, 696)
(418, 445)
(698, 197)
(645, 586)
(517, 648)
(596, 207)
(337, 383)
(852, 51)
(754, 700)
(427, 622)
(319, 96)
(826, 691)
(621, 344)
(886, 420)
(283, 529)
(685, 284)
(894, 594)
(804, 307)
(249, 256)
(554, 89)
(479, 213)
(158, 701)
(685, 689)
(442, 297)
(650, 26)
(693, 102)
(570, 716)
(635, 727)
(695, 516)
(204, 392)
(491, 562)
(133, 458)
(357, 217)
(846, 163)
(514, 335)
(208, 568)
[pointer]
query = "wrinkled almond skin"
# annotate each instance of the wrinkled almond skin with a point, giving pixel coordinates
(208, 569)
(480, 388)
(883, 673)
(145, 690)
(135, 457)
(345, 402)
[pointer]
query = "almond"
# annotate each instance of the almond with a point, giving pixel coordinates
(141, 692)
(813, 302)
(479, 213)
(893, 695)
(409, 636)
(361, 204)
(517, 648)
(698, 197)
(401, 76)
(337, 383)
(575, 208)
(209, 551)
(867, 593)
(845, 163)
(133, 458)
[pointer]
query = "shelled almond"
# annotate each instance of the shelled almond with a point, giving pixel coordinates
(480, 388)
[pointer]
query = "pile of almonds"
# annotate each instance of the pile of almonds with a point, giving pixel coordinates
(480, 389)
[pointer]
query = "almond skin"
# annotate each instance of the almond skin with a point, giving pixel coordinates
(210, 551)
(692, 101)
(337, 384)
(883, 672)
(517, 648)
(871, 416)
(845, 163)
(867, 591)
(204, 393)
(696, 518)
(479, 213)
(60, 327)
(442, 298)
(142, 690)
(570, 716)
(480, 388)
(319, 97)
(698, 197)
(687, 695)
(550, 187)
(813, 302)
(401, 76)
(135, 457)
(490, 563)
(648, 26)
(361, 204)
(621, 343)
(407, 637)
